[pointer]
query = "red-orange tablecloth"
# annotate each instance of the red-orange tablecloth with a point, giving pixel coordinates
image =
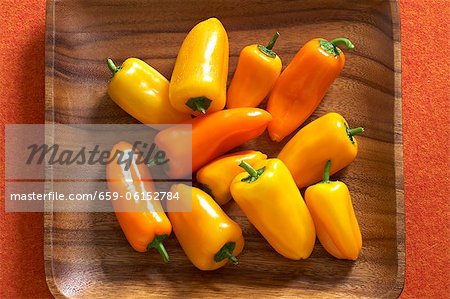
(425, 66)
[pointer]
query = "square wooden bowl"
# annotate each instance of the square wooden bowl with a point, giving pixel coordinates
(86, 254)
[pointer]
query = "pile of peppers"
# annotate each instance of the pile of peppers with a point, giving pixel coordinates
(266, 189)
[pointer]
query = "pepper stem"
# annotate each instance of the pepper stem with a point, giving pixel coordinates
(251, 171)
(226, 253)
(326, 172)
(231, 258)
(158, 245)
(273, 40)
(112, 67)
(200, 108)
(199, 104)
(355, 131)
(343, 41)
(267, 50)
(162, 251)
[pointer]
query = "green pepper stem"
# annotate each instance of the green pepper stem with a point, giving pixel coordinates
(272, 41)
(199, 104)
(355, 131)
(112, 67)
(251, 171)
(151, 163)
(343, 41)
(231, 258)
(158, 245)
(162, 251)
(226, 253)
(326, 172)
(267, 50)
(200, 108)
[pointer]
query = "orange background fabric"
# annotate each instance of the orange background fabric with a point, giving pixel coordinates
(425, 70)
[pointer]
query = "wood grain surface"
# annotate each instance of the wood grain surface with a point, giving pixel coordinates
(86, 254)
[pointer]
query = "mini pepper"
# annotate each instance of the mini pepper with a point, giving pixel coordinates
(268, 196)
(143, 222)
(331, 208)
(303, 84)
(216, 177)
(257, 70)
(209, 136)
(199, 78)
(207, 235)
(326, 138)
(143, 92)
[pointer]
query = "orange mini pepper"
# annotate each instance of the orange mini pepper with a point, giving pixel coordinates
(257, 70)
(216, 177)
(211, 136)
(207, 235)
(326, 138)
(145, 225)
(331, 208)
(303, 84)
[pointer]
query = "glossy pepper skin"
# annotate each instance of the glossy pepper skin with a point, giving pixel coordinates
(144, 223)
(303, 84)
(199, 78)
(257, 70)
(143, 92)
(331, 208)
(207, 235)
(216, 177)
(268, 196)
(326, 138)
(210, 136)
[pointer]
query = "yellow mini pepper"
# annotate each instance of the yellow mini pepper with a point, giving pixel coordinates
(216, 177)
(332, 211)
(326, 138)
(199, 78)
(268, 196)
(143, 92)
(257, 70)
(207, 235)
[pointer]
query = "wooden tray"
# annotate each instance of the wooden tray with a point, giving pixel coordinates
(86, 254)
